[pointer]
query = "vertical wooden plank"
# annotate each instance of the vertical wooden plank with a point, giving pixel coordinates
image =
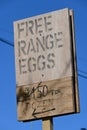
(47, 124)
(75, 60)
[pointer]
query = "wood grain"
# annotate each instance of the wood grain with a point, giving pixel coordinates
(45, 99)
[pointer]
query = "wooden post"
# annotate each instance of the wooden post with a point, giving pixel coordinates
(47, 124)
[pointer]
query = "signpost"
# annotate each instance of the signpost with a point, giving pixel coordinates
(45, 58)
(47, 124)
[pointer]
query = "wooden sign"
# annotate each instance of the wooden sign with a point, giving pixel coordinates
(46, 75)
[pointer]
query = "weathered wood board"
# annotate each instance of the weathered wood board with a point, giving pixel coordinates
(46, 73)
(45, 99)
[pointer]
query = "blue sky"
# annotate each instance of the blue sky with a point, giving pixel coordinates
(13, 10)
